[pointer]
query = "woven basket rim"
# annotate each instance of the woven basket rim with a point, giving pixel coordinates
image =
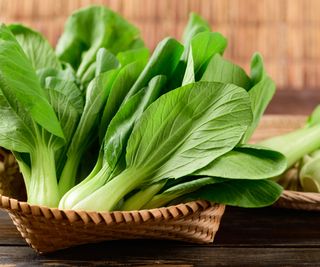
(157, 214)
(303, 197)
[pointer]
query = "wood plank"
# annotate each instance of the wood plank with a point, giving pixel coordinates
(8, 232)
(272, 227)
(267, 227)
(117, 254)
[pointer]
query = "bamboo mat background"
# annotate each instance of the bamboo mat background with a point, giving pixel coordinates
(286, 32)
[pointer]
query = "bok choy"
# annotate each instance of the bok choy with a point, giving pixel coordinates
(98, 125)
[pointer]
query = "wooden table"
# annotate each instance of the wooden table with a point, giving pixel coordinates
(247, 237)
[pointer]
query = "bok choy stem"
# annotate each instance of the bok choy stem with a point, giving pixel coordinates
(77, 192)
(69, 172)
(43, 187)
(112, 192)
(142, 197)
(296, 144)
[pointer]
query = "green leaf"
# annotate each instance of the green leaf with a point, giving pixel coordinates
(68, 116)
(69, 90)
(66, 74)
(221, 70)
(258, 72)
(121, 86)
(89, 29)
(162, 62)
(260, 96)
(122, 124)
(186, 129)
(97, 94)
(189, 75)
(105, 61)
(16, 131)
(314, 118)
(246, 162)
(178, 190)
(196, 24)
(242, 193)
(67, 101)
(87, 130)
(203, 46)
(133, 55)
(36, 47)
(19, 82)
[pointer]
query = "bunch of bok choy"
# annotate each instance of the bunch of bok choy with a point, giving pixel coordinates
(99, 124)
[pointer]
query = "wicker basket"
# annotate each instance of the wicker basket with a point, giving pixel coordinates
(48, 230)
(272, 125)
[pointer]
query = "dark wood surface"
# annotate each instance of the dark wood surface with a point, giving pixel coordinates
(247, 237)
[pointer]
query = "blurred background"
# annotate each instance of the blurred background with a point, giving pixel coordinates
(285, 32)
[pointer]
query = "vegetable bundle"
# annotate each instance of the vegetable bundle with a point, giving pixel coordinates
(99, 124)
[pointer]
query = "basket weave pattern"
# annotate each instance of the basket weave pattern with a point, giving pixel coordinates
(299, 201)
(47, 230)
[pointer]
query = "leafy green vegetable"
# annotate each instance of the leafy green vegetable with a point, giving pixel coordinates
(122, 123)
(203, 47)
(97, 94)
(29, 123)
(195, 25)
(67, 73)
(314, 118)
(221, 70)
(243, 193)
(14, 66)
(90, 29)
(258, 72)
(36, 47)
(162, 62)
(99, 112)
(182, 127)
(179, 190)
(120, 88)
(133, 55)
(246, 162)
(260, 94)
(67, 101)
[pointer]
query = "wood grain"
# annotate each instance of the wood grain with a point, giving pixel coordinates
(247, 237)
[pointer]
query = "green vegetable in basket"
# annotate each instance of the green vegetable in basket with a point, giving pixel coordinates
(100, 126)
(180, 133)
(89, 29)
(48, 122)
(29, 124)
